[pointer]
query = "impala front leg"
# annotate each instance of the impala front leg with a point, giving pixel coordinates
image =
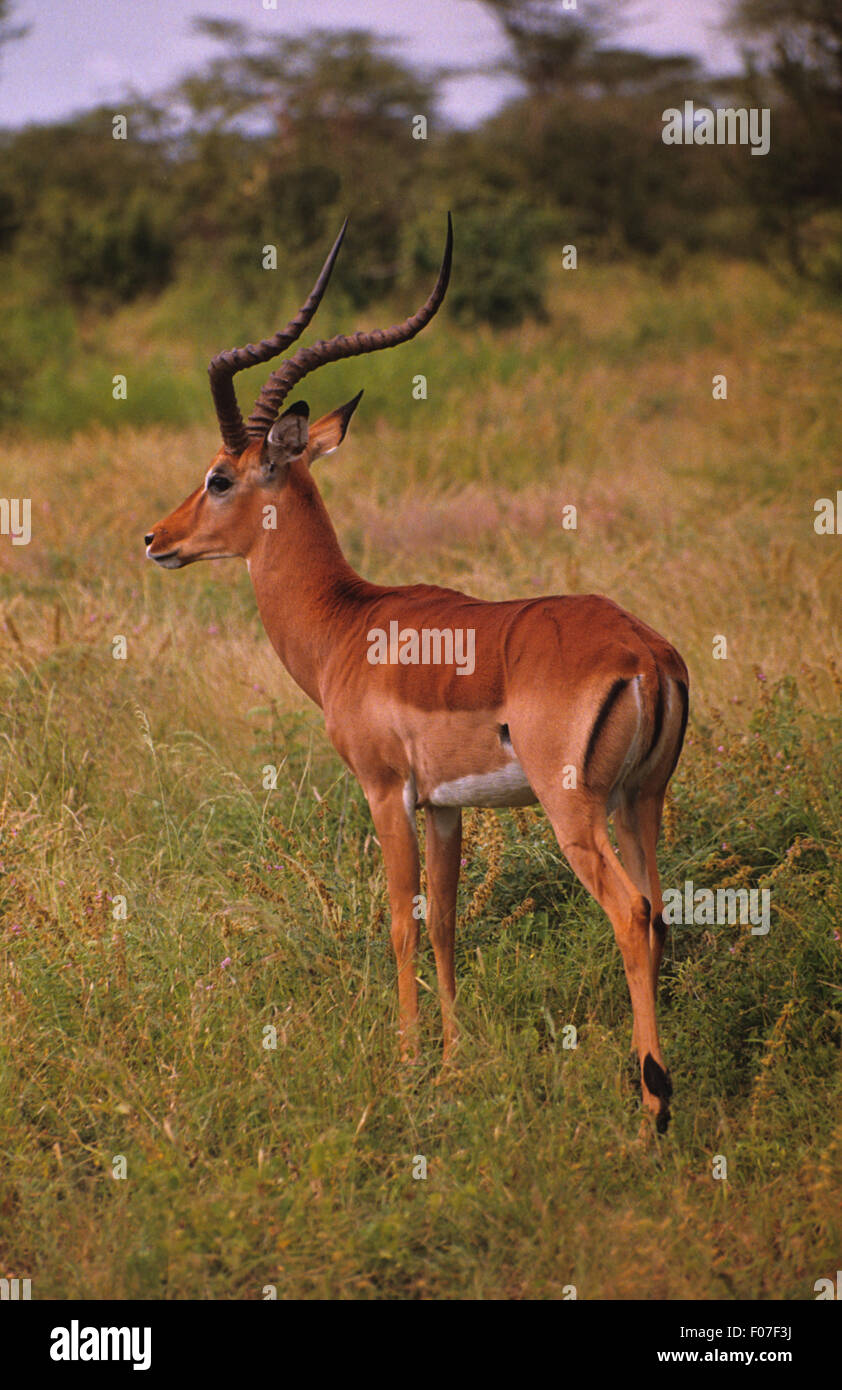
(395, 826)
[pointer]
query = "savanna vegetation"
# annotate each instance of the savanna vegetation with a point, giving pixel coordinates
(196, 982)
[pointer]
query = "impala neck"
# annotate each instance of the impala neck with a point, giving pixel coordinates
(303, 584)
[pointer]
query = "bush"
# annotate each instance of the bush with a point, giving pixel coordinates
(110, 253)
(498, 249)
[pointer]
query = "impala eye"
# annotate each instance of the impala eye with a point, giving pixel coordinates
(219, 483)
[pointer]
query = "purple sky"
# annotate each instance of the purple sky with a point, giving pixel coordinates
(82, 53)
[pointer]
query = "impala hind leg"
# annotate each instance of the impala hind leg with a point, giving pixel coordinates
(444, 847)
(395, 827)
(581, 831)
(638, 825)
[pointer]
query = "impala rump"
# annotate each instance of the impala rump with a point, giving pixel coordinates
(638, 730)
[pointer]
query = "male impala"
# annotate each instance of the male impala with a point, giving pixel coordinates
(552, 683)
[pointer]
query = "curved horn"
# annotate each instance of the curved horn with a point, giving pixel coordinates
(306, 360)
(222, 368)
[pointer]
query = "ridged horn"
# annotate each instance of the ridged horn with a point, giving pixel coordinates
(223, 367)
(307, 359)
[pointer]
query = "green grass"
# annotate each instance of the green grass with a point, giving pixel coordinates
(250, 909)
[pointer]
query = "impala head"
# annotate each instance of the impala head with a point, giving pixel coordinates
(223, 517)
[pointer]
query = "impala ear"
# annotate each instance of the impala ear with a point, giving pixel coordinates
(286, 440)
(328, 433)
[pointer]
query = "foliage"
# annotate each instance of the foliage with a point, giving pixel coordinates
(794, 63)
(273, 143)
(501, 244)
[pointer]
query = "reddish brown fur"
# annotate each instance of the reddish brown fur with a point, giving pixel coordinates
(544, 667)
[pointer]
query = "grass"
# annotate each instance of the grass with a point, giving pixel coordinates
(161, 911)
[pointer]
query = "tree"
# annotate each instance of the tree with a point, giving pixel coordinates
(798, 41)
(584, 140)
(9, 32)
(97, 218)
(555, 50)
(793, 60)
(307, 130)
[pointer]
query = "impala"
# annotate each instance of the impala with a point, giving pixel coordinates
(567, 701)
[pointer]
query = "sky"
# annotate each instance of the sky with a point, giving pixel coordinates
(84, 53)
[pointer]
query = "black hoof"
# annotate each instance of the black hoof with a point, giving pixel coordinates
(657, 1081)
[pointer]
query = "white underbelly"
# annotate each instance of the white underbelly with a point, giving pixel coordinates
(506, 786)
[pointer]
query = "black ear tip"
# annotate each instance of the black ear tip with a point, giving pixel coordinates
(349, 407)
(346, 411)
(298, 408)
